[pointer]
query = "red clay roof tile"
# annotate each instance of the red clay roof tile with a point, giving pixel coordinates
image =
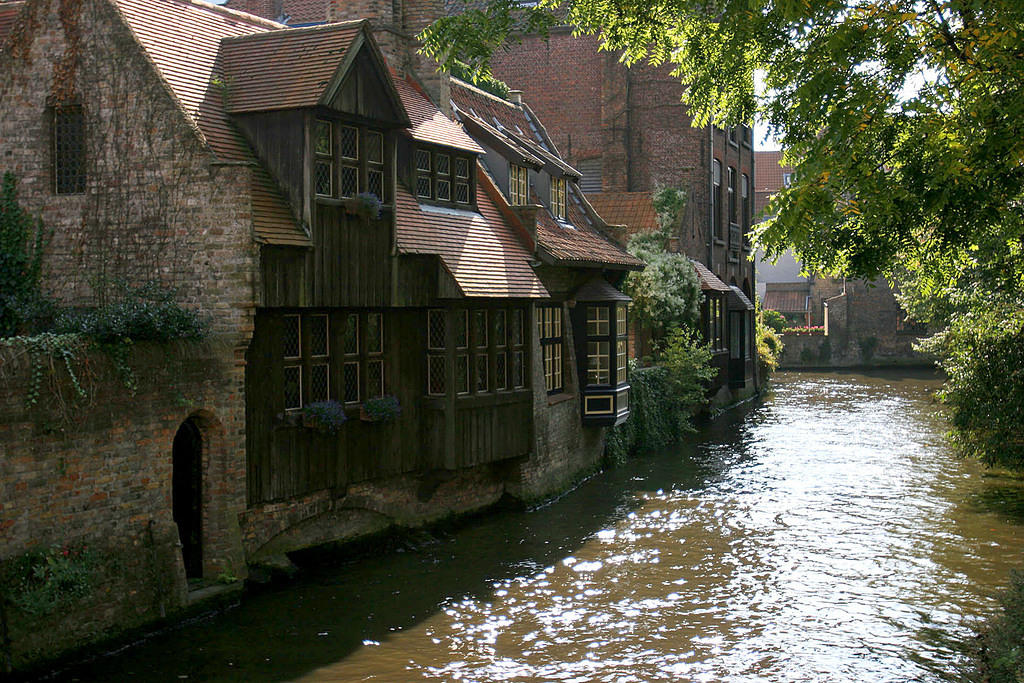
(284, 69)
(635, 210)
(786, 302)
(182, 37)
(296, 11)
(768, 172)
(708, 280)
(480, 250)
(428, 123)
(272, 220)
(8, 12)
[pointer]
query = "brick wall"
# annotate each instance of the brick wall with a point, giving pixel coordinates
(633, 119)
(157, 207)
(98, 472)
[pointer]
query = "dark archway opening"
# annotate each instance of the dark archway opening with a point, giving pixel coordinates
(187, 484)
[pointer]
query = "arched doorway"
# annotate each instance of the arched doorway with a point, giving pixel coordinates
(187, 486)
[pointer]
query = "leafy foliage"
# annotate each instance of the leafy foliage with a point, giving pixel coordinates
(769, 343)
(40, 582)
(983, 356)
(22, 242)
(382, 409)
(485, 82)
(325, 416)
(666, 294)
(773, 319)
(663, 398)
(1000, 656)
(145, 313)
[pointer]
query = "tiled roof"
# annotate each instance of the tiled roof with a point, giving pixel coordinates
(635, 210)
(428, 123)
(580, 243)
(708, 280)
(786, 301)
(480, 250)
(182, 37)
(8, 11)
(739, 300)
(284, 69)
(767, 172)
(272, 220)
(580, 246)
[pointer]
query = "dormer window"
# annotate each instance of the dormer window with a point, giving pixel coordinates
(443, 177)
(518, 185)
(348, 160)
(558, 203)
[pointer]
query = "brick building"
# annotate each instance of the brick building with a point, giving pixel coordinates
(862, 321)
(356, 250)
(629, 134)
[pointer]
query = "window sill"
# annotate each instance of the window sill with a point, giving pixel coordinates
(555, 399)
(719, 242)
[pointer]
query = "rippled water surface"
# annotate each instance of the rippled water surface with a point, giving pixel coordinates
(824, 534)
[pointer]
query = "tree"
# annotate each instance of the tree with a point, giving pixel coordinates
(666, 293)
(904, 119)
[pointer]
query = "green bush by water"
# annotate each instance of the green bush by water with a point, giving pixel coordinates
(1000, 654)
(663, 398)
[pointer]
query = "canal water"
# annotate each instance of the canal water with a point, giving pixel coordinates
(825, 533)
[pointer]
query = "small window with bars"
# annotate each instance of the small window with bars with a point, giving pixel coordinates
(305, 342)
(436, 177)
(375, 165)
(424, 175)
(68, 150)
(349, 148)
(517, 344)
(352, 367)
(558, 201)
(437, 331)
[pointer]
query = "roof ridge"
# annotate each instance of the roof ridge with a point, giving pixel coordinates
(333, 26)
(484, 93)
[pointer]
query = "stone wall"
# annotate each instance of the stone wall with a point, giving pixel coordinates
(97, 472)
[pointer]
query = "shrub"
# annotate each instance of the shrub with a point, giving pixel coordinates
(1000, 655)
(983, 356)
(663, 398)
(39, 582)
(773, 319)
(22, 242)
(769, 343)
(145, 313)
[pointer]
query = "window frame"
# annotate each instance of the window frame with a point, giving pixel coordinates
(518, 185)
(68, 121)
(716, 198)
(559, 201)
(340, 162)
(435, 176)
(478, 354)
(550, 321)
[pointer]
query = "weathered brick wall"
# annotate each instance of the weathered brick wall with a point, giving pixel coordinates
(98, 472)
(155, 208)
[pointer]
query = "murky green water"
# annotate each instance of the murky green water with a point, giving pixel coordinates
(826, 534)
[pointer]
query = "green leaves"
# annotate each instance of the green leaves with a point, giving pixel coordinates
(22, 242)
